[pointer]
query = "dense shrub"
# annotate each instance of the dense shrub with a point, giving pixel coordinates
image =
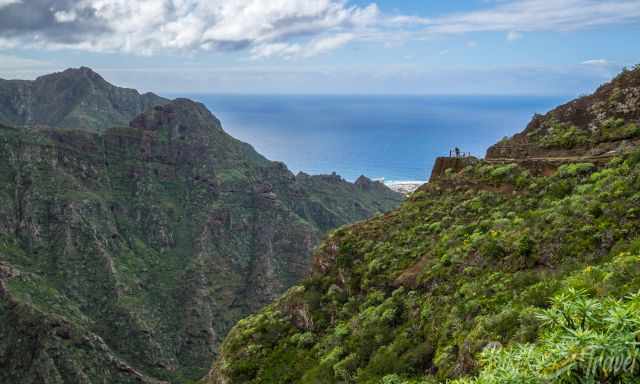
(562, 135)
(454, 283)
(584, 340)
(616, 129)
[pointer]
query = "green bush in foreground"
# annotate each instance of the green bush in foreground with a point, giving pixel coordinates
(585, 340)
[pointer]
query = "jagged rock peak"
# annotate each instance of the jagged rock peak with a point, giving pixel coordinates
(333, 178)
(366, 183)
(363, 181)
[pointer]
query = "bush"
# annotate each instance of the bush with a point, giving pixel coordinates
(562, 135)
(585, 341)
(501, 172)
(617, 129)
(575, 169)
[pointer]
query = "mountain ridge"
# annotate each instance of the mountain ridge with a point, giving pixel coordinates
(75, 98)
(127, 252)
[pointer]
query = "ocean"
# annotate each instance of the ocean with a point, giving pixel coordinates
(391, 138)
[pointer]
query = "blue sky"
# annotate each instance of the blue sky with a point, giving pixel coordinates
(326, 46)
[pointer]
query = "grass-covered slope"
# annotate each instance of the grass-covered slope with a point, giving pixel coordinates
(468, 264)
(127, 255)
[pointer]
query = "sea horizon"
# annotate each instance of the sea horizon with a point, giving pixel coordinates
(392, 138)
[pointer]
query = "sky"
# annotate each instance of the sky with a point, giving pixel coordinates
(537, 47)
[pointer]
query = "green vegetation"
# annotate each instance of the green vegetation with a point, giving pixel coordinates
(460, 282)
(569, 136)
(617, 129)
(133, 251)
(583, 340)
(564, 135)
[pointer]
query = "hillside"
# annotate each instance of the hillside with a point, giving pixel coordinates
(600, 124)
(493, 269)
(76, 98)
(127, 254)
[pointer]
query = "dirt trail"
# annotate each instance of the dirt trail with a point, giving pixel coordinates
(565, 159)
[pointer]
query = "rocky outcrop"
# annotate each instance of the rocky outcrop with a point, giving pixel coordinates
(150, 240)
(604, 123)
(76, 98)
(455, 164)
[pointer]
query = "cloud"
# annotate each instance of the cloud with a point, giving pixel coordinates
(286, 28)
(408, 20)
(4, 3)
(45, 23)
(539, 15)
(598, 62)
(65, 16)
(513, 36)
(275, 28)
(329, 43)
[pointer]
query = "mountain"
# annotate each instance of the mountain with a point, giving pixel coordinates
(127, 254)
(76, 98)
(493, 272)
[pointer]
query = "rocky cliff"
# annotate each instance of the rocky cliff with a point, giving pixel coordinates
(455, 164)
(601, 124)
(490, 274)
(127, 254)
(76, 98)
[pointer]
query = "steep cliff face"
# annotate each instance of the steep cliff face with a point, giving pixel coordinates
(127, 255)
(460, 279)
(455, 164)
(603, 123)
(76, 98)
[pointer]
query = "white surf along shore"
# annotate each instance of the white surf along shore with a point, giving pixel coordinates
(405, 187)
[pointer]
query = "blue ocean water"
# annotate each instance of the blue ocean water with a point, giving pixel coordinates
(392, 137)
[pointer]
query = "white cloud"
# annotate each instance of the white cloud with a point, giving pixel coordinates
(65, 16)
(314, 47)
(597, 62)
(286, 28)
(540, 15)
(472, 44)
(513, 36)
(408, 20)
(275, 49)
(4, 3)
(329, 43)
(6, 43)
